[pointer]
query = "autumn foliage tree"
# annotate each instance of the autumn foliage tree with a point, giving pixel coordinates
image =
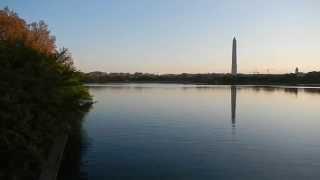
(41, 94)
(35, 35)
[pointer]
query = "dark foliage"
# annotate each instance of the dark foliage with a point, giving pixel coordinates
(211, 78)
(40, 97)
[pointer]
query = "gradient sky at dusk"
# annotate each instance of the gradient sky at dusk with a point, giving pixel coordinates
(173, 36)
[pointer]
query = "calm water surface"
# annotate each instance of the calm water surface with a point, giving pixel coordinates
(159, 131)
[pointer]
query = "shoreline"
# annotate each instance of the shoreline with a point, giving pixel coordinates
(195, 83)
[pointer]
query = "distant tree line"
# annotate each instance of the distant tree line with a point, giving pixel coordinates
(209, 78)
(41, 95)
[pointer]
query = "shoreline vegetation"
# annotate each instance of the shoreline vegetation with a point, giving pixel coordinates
(42, 95)
(295, 79)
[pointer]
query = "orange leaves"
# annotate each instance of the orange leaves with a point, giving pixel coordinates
(12, 28)
(35, 35)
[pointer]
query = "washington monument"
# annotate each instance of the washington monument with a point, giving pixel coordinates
(234, 57)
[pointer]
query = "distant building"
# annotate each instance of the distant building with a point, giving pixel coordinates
(298, 73)
(234, 57)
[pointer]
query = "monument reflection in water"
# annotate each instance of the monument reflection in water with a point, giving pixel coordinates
(233, 105)
(167, 131)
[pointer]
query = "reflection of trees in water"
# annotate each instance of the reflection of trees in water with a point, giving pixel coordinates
(76, 147)
(265, 89)
(312, 90)
(273, 89)
(288, 90)
(293, 91)
(204, 88)
(118, 87)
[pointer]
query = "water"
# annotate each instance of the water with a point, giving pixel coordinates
(168, 131)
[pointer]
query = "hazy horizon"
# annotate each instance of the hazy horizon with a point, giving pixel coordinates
(182, 36)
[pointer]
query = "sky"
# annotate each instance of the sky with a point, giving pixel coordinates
(175, 36)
